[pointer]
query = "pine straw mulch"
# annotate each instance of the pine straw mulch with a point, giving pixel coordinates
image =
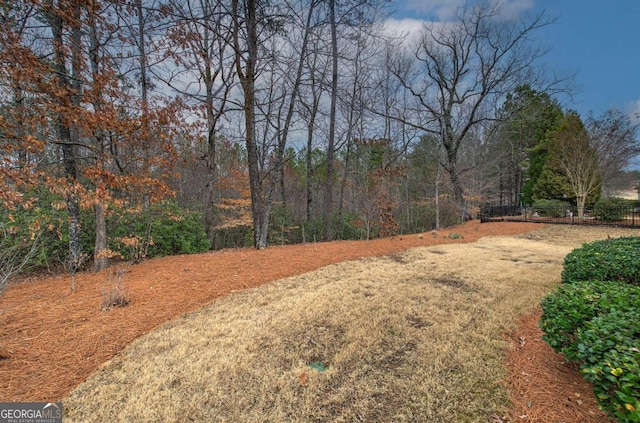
(543, 387)
(51, 339)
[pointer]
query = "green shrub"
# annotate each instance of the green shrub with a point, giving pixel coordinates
(551, 208)
(280, 226)
(314, 230)
(610, 355)
(161, 230)
(47, 216)
(597, 324)
(351, 227)
(571, 306)
(237, 236)
(611, 209)
(611, 259)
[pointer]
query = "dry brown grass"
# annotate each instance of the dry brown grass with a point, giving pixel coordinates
(415, 336)
(574, 236)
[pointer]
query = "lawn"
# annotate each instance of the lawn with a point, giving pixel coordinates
(417, 335)
(432, 327)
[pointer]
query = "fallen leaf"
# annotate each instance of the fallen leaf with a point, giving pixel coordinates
(303, 378)
(499, 419)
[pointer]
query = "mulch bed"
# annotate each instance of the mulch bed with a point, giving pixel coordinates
(51, 339)
(543, 387)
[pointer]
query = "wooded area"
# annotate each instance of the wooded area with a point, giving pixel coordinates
(131, 128)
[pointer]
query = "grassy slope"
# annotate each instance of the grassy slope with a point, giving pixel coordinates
(416, 336)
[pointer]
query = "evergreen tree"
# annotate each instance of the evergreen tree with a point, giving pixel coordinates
(528, 116)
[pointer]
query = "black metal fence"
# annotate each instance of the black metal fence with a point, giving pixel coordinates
(627, 216)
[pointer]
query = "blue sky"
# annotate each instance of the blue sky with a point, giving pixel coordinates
(599, 40)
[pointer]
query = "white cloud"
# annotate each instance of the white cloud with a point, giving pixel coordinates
(408, 28)
(510, 9)
(441, 13)
(445, 10)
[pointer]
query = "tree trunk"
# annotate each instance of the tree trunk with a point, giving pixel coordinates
(282, 141)
(328, 201)
(144, 92)
(67, 137)
(212, 170)
(458, 193)
(20, 118)
(437, 196)
(343, 185)
(313, 112)
(260, 209)
(100, 261)
(100, 258)
(350, 130)
(581, 200)
(211, 193)
(309, 160)
(454, 175)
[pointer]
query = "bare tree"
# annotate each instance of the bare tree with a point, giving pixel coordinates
(310, 112)
(460, 71)
(96, 50)
(615, 141)
(328, 199)
(60, 16)
(202, 70)
(306, 18)
(359, 14)
(573, 153)
(246, 43)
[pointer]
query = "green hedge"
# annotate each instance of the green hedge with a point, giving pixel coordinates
(594, 320)
(609, 350)
(610, 259)
(611, 209)
(551, 208)
(567, 310)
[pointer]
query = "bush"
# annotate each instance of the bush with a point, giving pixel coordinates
(610, 356)
(613, 208)
(46, 216)
(551, 208)
(597, 322)
(283, 229)
(114, 293)
(161, 230)
(571, 306)
(237, 236)
(616, 259)
(351, 227)
(314, 230)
